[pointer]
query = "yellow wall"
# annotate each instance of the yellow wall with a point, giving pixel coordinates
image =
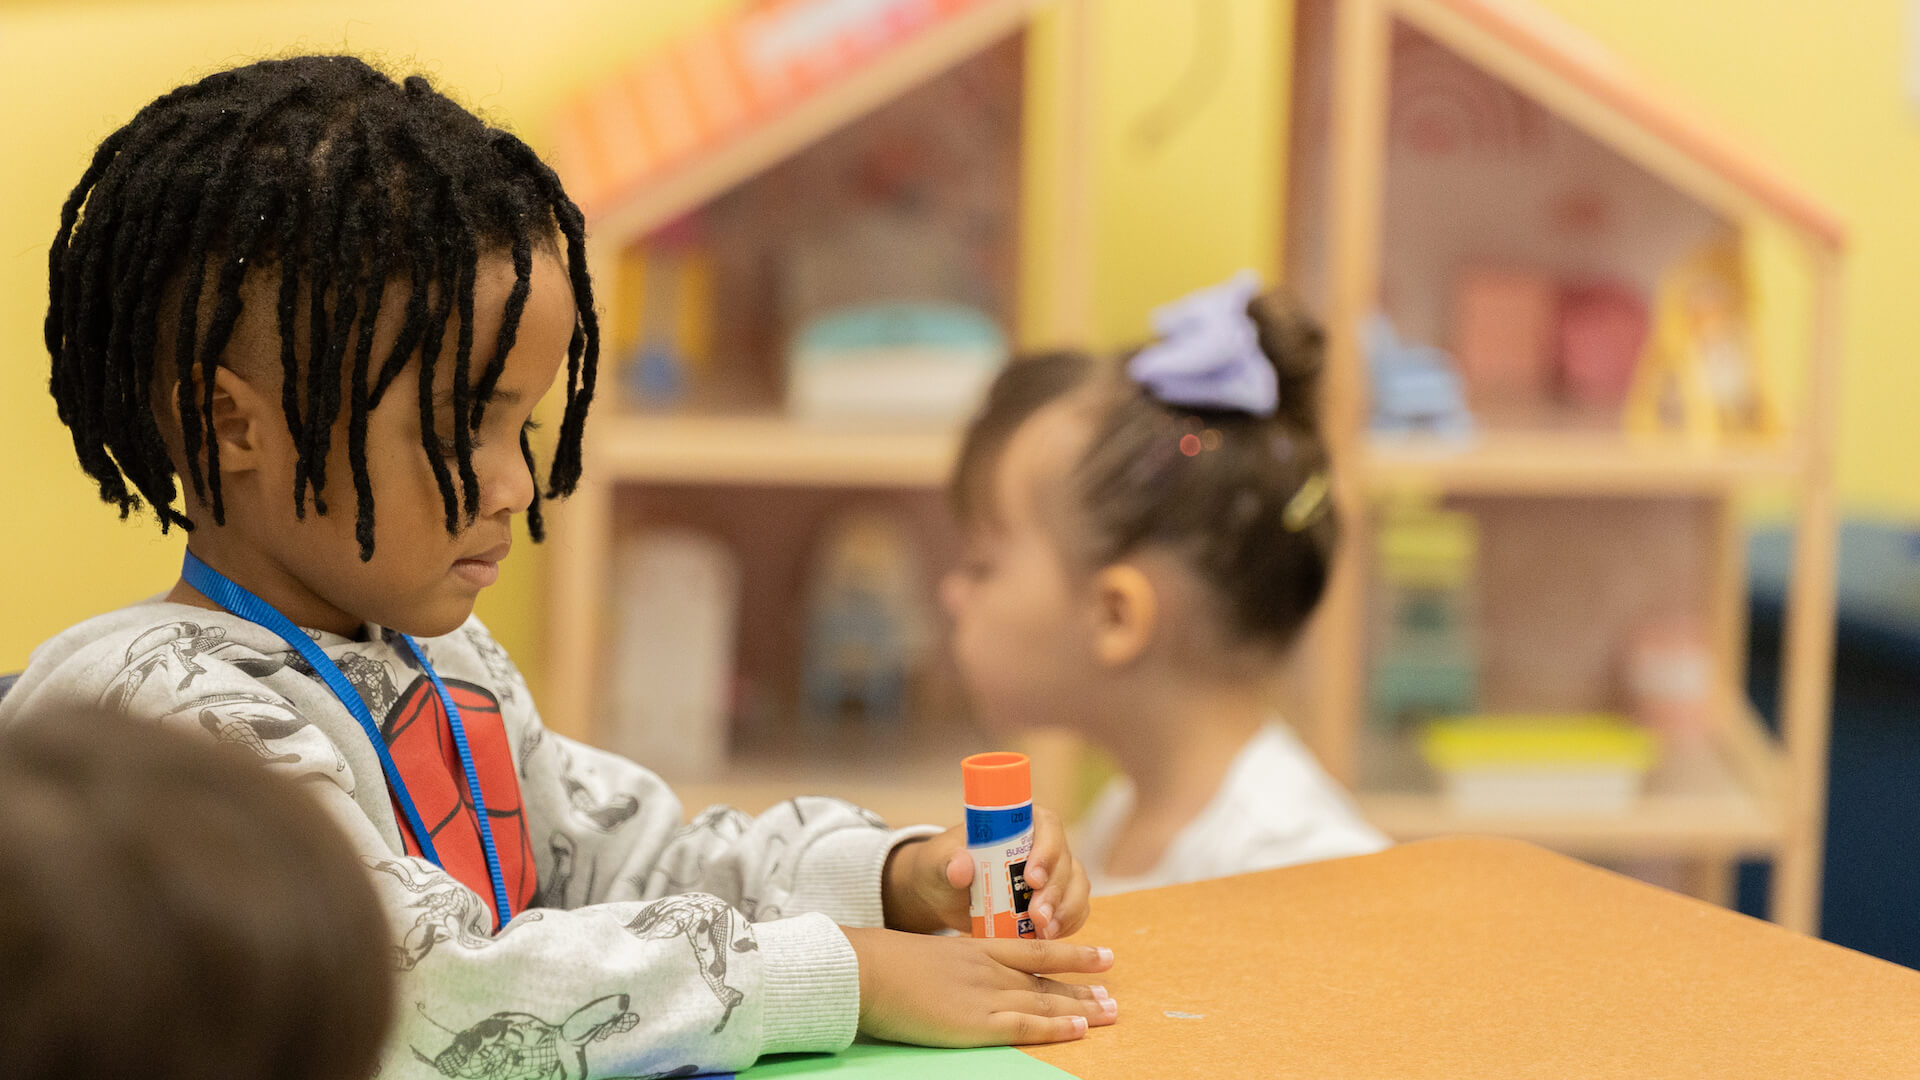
(1187, 140)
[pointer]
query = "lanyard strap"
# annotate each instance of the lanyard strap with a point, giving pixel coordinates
(222, 590)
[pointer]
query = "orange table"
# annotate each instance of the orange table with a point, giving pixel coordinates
(1479, 958)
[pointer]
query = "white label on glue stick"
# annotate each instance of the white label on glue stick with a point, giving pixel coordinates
(999, 839)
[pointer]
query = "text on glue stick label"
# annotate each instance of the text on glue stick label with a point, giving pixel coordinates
(999, 839)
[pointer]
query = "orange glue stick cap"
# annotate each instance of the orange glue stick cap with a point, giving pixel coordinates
(1000, 778)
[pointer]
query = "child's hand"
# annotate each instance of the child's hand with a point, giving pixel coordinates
(939, 991)
(925, 887)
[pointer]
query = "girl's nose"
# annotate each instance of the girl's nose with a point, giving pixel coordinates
(952, 593)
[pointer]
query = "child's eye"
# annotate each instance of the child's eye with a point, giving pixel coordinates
(443, 444)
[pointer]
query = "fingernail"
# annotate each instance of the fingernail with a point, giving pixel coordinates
(1100, 992)
(1109, 1007)
(1079, 1025)
(1105, 954)
(1037, 876)
(1044, 913)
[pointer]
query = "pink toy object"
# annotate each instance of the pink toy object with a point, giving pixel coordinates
(1503, 331)
(1602, 328)
(1669, 674)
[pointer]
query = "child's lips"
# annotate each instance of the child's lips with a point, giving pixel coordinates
(483, 569)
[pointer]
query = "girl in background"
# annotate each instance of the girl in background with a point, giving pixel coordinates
(1146, 540)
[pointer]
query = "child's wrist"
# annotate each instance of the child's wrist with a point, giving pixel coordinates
(899, 902)
(860, 940)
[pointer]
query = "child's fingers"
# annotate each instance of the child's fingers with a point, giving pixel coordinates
(1026, 1029)
(959, 870)
(1049, 842)
(1096, 1012)
(1066, 919)
(1048, 957)
(1049, 903)
(1050, 997)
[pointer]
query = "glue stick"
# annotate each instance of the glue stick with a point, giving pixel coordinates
(999, 798)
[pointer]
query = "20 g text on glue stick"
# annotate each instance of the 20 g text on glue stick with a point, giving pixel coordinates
(999, 797)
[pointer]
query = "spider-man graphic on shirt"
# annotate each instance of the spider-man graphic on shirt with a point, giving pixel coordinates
(421, 742)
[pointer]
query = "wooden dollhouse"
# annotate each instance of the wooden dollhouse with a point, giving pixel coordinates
(1472, 173)
(761, 130)
(1437, 142)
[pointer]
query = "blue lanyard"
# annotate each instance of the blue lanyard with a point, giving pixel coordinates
(220, 589)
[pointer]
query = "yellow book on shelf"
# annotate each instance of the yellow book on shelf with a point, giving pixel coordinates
(1536, 741)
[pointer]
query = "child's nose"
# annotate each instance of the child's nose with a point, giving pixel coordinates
(506, 484)
(952, 593)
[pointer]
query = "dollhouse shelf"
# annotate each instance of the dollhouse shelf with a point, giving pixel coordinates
(1571, 462)
(769, 449)
(1722, 801)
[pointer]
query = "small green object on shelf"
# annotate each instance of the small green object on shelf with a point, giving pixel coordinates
(883, 1061)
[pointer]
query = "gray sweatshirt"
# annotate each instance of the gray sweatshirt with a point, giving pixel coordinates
(652, 946)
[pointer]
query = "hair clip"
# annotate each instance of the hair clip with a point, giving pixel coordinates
(1308, 504)
(1208, 355)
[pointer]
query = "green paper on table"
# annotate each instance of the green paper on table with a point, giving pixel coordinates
(875, 1061)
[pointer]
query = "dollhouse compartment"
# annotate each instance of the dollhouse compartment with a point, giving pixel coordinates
(1559, 596)
(837, 676)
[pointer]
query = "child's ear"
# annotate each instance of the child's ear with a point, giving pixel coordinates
(240, 416)
(1126, 612)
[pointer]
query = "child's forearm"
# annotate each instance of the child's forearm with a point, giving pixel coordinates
(632, 987)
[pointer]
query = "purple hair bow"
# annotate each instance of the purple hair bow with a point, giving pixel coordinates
(1208, 355)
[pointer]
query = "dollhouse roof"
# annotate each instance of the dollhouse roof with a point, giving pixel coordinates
(684, 123)
(1567, 72)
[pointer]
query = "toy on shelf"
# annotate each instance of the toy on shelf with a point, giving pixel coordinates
(667, 313)
(1426, 657)
(1669, 672)
(868, 625)
(1415, 389)
(1503, 331)
(1602, 327)
(886, 295)
(1699, 372)
(677, 597)
(894, 361)
(1590, 765)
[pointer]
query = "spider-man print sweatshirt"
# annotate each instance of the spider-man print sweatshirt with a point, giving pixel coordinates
(639, 945)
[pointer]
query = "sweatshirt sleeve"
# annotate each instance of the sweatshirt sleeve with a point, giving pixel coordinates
(612, 831)
(625, 988)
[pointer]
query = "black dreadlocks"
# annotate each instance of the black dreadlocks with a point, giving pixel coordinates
(345, 180)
